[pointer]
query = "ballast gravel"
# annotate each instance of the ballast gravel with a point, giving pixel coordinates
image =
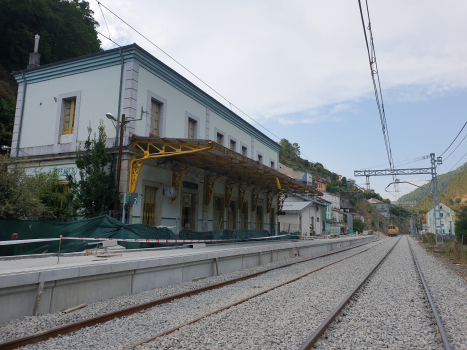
(35, 324)
(449, 293)
(124, 332)
(391, 311)
(279, 319)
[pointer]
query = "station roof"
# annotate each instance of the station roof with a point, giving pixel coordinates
(213, 157)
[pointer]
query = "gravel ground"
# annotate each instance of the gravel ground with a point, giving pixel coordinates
(449, 293)
(35, 324)
(391, 311)
(126, 331)
(280, 319)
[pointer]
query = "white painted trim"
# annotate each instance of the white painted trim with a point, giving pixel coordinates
(242, 144)
(258, 153)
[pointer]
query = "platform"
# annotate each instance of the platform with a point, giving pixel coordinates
(82, 279)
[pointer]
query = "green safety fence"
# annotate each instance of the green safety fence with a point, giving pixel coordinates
(105, 227)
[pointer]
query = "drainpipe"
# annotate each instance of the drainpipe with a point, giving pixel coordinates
(21, 116)
(119, 97)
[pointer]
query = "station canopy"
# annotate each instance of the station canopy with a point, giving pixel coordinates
(215, 158)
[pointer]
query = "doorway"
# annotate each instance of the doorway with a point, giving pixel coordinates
(259, 217)
(188, 211)
(244, 217)
(218, 213)
(149, 207)
(232, 216)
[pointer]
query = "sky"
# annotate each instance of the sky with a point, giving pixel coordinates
(300, 69)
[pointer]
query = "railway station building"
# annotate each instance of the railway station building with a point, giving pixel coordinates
(194, 163)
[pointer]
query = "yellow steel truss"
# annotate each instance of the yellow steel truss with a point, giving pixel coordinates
(159, 149)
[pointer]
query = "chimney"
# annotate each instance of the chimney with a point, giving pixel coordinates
(35, 57)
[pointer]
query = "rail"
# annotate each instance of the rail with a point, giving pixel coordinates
(73, 327)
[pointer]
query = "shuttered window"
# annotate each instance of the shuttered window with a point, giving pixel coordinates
(155, 117)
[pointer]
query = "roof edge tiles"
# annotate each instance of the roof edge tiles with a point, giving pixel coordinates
(133, 52)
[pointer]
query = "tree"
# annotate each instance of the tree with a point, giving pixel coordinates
(67, 29)
(56, 198)
(358, 225)
(94, 193)
(387, 201)
(19, 192)
(460, 225)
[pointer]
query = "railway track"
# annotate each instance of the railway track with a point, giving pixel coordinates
(76, 326)
(311, 342)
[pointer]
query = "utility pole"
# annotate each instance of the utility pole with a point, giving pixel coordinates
(436, 209)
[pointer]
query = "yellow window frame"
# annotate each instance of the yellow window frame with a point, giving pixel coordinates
(149, 206)
(69, 116)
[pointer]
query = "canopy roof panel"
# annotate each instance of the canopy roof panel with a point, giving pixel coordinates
(213, 157)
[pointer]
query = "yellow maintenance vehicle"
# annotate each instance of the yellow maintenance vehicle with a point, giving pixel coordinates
(393, 231)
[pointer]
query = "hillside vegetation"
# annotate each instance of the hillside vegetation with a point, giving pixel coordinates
(66, 29)
(420, 193)
(454, 195)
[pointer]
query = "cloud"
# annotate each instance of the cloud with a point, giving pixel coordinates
(274, 58)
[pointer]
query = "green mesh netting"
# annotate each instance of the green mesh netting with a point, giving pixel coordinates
(99, 227)
(105, 227)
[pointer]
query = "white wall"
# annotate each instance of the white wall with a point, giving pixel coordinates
(99, 95)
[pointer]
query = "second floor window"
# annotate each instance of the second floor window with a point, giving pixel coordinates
(260, 158)
(69, 116)
(233, 145)
(155, 117)
(220, 138)
(244, 151)
(272, 164)
(191, 128)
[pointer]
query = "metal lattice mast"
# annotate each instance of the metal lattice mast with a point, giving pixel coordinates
(419, 227)
(436, 209)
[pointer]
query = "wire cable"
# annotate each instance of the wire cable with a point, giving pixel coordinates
(108, 38)
(454, 139)
(455, 148)
(104, 18)
(377, 87)
(458, 161)
(189, 71)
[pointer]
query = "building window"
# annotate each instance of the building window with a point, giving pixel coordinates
(149, 207)
(69, 116)
(272, 164)
(244, 151)
(260, 158)
(155, 118)
(191, 128)
(220, 138)
(188, 206)
(233, 145)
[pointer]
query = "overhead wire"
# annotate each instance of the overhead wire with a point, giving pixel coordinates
(455, 148)
(454, 139)
(189, 71)
(458, 161)
(377, 87)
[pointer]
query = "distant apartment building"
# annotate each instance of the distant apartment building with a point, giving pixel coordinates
(320, 186)
(301, 176)
(334, 198)
(447, 220)
(383, 208)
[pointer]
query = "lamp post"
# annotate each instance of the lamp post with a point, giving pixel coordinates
(121, 124)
